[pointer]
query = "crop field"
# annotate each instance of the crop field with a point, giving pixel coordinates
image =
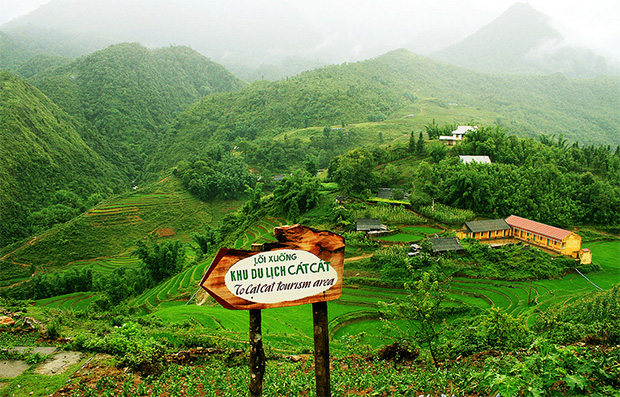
(411, 233)
(107, 265)
(356, 313)
(74, 301)
(126, 211)
(261, 233)
(447, 214)
(607, 255)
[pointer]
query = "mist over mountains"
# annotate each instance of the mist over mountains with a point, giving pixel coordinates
(521, 40)
(273, 39)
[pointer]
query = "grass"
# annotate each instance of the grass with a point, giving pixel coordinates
(411, 233)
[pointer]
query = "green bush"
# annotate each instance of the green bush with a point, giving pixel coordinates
(129, 343)
(594, 319)
(495, 329)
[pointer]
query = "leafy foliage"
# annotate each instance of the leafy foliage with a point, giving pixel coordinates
(47, 154)
(161, 260)
(594, 319)
(224, 179)
(547, 182)
(295, 195)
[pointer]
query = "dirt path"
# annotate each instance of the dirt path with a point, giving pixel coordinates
(357, 258)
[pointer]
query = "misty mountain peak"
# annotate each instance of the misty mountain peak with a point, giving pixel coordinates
(522, 40)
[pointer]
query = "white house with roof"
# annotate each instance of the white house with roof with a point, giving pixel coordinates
(457, 135)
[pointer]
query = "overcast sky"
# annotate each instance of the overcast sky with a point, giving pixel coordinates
(594, 23)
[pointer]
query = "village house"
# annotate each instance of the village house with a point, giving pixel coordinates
(445, 244)
(457, 135)
(534, 233)
(563, 241)
(370, 226)
(483, 230)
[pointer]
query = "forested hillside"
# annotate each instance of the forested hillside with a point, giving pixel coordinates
(583, 110)
(11, 53)
(47, 170)
(126, 94)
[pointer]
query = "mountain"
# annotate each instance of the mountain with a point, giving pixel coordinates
(11, 53)
(521, 40)
(43, 152)
(238, 31)
(582, 110)
(126, 94)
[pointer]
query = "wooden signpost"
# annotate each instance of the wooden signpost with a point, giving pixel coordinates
(304, 266)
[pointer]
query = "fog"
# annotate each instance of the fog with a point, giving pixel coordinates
(334, 31)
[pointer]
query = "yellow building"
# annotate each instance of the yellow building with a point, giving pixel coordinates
(483, 230)
(563, 241)
(552, 238)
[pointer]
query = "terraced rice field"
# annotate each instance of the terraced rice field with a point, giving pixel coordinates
(127, 211)
(75, 301)
(261, 233)
(107, 265)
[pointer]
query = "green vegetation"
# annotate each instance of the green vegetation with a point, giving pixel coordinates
(548, 181)
(117, 271)
(47, 158)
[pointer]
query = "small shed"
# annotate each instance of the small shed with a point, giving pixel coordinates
(445, 244)
(369, 225)
(385, 193)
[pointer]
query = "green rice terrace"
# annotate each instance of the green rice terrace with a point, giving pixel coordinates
(179, 314)
(179, 299)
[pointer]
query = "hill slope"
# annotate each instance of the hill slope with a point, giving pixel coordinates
(582, 110)
(126, 94)
(42, 152)
(521, 40)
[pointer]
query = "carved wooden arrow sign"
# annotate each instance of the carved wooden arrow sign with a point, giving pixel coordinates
(304, 266)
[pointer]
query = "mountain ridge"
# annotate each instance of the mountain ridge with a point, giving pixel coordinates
(521, 40)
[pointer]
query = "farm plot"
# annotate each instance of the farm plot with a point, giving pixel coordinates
(74, 301)
(261, 232)
(108, 264)
(408, 234)
(127, 210)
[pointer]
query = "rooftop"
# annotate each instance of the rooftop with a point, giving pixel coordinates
(487, 225)
(367, 224)
(475, 159)
(537, 227)
(463, 129)
(444, 244)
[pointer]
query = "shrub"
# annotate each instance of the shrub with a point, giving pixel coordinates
(130, 344)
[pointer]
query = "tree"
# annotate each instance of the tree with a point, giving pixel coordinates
(161, 260)
(432, 130)
(353, 171)
(310, 165)
(208, 240)
(420, 148)
(421, 308)
(412, 144)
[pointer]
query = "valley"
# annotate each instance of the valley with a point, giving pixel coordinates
(125, 170)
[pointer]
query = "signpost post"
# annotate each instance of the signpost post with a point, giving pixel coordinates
(304, 266)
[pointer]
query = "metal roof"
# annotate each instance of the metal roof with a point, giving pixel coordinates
(366, 224)
(443, 244)
(487, 225)
(537, 228)
(475, 159)
(464, 129)
(384, 193)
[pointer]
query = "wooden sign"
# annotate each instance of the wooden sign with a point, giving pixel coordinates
(304, 266)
